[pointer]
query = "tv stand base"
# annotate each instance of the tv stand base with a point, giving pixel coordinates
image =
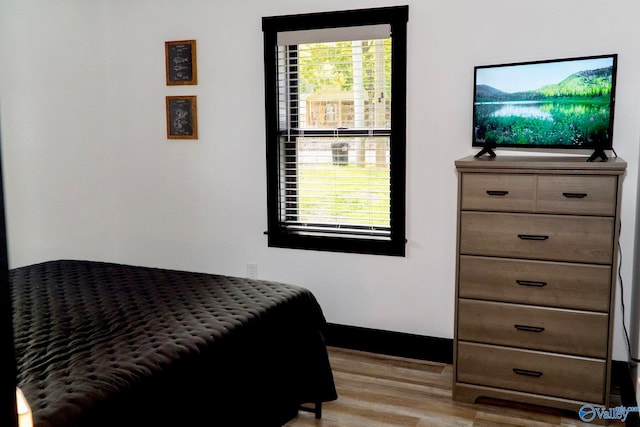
(486, 150)
(598, 153)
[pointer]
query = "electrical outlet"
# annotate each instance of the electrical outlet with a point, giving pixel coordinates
(252, 270)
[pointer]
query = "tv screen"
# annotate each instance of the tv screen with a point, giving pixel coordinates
(562, 103)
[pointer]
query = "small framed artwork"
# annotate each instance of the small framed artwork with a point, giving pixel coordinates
(182, 117)
(180, 59)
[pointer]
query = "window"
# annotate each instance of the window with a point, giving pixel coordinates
(335, 87)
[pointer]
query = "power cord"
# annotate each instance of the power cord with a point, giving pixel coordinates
(624, 325)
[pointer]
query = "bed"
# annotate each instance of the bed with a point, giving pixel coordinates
(104, 344)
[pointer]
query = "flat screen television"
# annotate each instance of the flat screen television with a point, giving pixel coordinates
(561, 103)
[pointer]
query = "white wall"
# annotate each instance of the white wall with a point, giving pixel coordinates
(57, 159)
(90, 173)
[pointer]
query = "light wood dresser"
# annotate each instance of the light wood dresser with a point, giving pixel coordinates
(536, 275)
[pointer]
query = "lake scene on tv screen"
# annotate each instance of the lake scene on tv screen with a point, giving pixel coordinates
(564, 103)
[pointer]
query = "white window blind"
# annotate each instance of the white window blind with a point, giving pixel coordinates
(334, 102)
(325, 35)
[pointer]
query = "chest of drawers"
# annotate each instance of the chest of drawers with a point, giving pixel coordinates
(536, 274)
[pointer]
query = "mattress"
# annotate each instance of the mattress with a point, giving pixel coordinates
(111, 344)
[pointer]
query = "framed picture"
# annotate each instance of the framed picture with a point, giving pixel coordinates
(180, 59)
(182, 117)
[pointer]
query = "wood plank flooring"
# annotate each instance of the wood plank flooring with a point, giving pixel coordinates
(377, 390)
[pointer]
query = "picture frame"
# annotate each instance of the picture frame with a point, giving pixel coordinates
(182, 117)
(181, 63)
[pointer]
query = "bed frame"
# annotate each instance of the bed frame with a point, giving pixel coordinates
(103, 344)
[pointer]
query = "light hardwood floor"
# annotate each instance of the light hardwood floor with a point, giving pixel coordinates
(377, 390)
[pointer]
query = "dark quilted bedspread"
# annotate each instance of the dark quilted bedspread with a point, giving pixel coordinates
(96, 340)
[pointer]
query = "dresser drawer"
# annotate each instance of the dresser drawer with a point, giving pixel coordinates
(536, 328)
(582, 195)
(556, 284)
(529, 371)
(545, 237)
(498, 192)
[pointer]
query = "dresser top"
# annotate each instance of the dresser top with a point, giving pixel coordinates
(541, 164)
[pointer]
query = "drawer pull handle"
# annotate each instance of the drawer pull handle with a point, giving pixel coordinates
(531, 283)
(528, 328)
(527, 373)
(575, 195)
(532, 237)
(497, 192)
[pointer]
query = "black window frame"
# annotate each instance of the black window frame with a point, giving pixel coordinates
(278, 234)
